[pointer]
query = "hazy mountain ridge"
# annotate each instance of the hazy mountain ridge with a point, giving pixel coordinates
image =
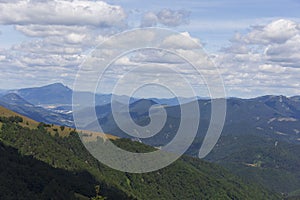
(14, 102)
(55, 93)
(277, 116)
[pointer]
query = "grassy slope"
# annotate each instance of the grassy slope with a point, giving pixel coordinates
(53, 129)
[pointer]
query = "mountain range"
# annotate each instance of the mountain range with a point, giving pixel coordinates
(259, 142)
(38, 165)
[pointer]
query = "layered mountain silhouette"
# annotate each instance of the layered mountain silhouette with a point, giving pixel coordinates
(277, 116)
(259, 142)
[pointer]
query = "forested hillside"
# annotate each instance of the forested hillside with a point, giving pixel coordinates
(33, 157)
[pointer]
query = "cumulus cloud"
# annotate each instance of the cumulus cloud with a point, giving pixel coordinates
(278, 31)
(29, 67)
(166, 17)
(278, 42)
(153, 63)
(61, 12)
(285, 54)
(61, 32)
(263, 60)
(186, 41)
(64, 27)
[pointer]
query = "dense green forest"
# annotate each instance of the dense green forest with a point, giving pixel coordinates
(262, 159)
(38, 165)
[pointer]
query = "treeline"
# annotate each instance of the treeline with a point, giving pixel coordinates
(11, 119)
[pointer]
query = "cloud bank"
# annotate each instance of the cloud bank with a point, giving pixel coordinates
(61, 12)
(264, 59)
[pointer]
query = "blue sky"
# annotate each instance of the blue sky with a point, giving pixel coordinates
(256, 44)
(215, 22)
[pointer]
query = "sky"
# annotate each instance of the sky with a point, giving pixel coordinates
(254, 45)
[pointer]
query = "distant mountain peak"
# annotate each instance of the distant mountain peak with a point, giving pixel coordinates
(55, 93)
(56, 85)
(50, 86)
(144, 101)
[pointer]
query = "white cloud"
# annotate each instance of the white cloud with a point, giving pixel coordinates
(149, 20)
(61, 12)
(2, 57)
(173, 17)
(34, 30)
(285, 54)
(277, 42)
(43, 47)
(186, 42)
(156, 57)
(61, 32)
(265, 60)
(237, 49)
(272, 68)
(278, 31)
(166, 17)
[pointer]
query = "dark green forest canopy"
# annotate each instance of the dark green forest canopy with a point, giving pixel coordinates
(39, 157)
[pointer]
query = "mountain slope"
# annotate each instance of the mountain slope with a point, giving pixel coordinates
(251, 130)
(261, 159)
(16, 103)
(23, 177)
(187, 178)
